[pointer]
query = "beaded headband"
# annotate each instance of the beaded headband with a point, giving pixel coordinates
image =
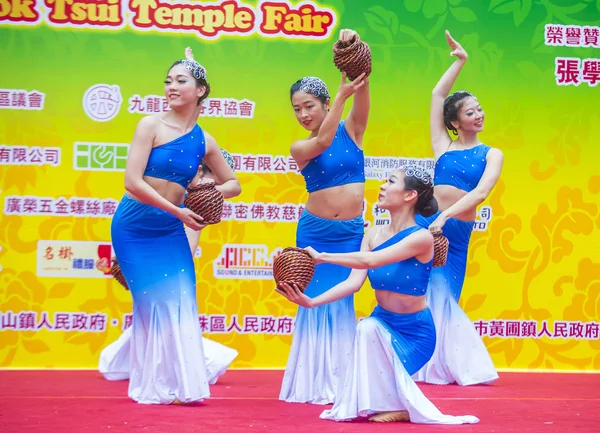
(419, 173)
(314, 86)
(198, 71)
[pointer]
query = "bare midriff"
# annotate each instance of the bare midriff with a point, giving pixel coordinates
(400, 303)
(447, 195)
(171, 191)
(342, 202)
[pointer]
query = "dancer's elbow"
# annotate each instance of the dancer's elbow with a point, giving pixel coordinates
(355, 284)
(132, 185)
(232, 188)
(236, 188)
(367, 262)
(355, 287)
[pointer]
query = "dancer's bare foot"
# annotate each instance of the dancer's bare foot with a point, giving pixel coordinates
(178, 402)
(391, 416)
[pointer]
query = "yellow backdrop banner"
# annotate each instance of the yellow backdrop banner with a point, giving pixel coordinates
(77, 76)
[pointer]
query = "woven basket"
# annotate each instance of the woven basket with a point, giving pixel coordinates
(353, 57)
(293, 265)
(205, 200)
(115, 271)
(440, 249)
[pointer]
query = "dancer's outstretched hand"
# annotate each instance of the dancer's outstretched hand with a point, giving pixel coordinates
(437, 225)
(346, 35)
(348, 88)
(457, 49)
(316, 256)
(189, 55)
(295, 295)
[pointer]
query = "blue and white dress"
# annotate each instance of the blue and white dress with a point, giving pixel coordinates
(323, 336)
(460, 355)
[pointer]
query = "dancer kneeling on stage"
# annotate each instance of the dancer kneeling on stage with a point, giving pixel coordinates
(399, 336)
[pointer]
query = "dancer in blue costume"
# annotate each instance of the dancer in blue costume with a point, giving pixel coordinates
(466, 171)
(167, 359)
(114, 363)
(399, 336)
(332, 162)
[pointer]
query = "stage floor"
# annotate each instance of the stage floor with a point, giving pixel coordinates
(246, 401)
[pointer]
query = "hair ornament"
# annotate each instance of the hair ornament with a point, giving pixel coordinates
(198, 71)
(314, 86)
(419, 173)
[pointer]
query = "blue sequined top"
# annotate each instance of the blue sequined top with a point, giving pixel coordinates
(178, 160)
(342, 163)
(408, 277)
(461, 168)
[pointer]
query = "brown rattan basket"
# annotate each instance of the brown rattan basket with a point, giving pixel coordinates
(440, 249)
(353, 57)
(293, 265)
(115, 271)
(205, 200)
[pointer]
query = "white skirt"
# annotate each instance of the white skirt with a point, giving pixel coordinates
(377, 381)
(460, 355)
(320, 351)
(115, 358)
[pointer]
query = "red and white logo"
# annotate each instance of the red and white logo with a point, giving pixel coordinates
(102, 102)
(245, 261)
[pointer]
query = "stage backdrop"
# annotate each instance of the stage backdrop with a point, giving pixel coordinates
(78, 75)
